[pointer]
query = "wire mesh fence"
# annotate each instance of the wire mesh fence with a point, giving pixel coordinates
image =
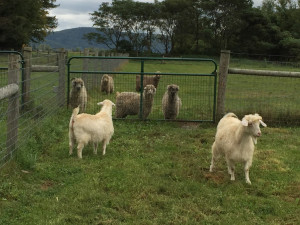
(275, 98)
(196, 80)
(42, 101)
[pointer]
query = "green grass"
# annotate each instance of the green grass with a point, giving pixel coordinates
(152, 173)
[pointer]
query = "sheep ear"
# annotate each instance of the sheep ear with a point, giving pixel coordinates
(262, 123)
(245, 122)
(100, 103)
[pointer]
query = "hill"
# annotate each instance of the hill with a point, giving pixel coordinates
(72, 39)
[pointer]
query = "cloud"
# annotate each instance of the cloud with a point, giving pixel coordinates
(76, 13)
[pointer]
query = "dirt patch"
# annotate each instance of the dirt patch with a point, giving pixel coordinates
(189, 125)
(46, 185)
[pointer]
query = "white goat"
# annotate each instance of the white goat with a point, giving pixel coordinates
(84, 128)
(236, 139)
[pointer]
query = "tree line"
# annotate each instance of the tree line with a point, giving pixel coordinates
(25, 21)
(181, 26)
(199, 26)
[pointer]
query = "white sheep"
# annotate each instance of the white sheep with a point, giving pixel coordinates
(128, 103)
(107, 84)
(84, 128)
(171, 103)
(236, 139)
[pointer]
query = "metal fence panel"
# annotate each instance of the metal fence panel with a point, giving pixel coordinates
(196, 79)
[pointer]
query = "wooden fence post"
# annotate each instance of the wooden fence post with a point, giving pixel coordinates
(223, 72)
(61, 80)
(96, 77)
(13, 104)
(85, 67)
(27, 53)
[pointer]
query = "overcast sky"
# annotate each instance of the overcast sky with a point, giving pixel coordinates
(76, 13)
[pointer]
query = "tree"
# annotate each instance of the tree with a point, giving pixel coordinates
(110, 25)
(25, 21)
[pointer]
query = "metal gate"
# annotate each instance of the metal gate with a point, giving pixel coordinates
(196, 78)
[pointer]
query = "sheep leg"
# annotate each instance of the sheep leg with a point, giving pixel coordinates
(213, 158)
(247, 168)
(95, 148)
(231, 168)
(71, 143)
(104, 146)
(79, 150)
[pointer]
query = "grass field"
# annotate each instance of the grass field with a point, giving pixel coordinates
(152, 173)
(156, 172)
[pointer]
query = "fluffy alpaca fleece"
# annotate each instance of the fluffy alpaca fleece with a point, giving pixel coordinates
(235, 140)
(107, 84)
(128, 103)
(85, 128)
(78, 94)
(147, 80)
(171, 102)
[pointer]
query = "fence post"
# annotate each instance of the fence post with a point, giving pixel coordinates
(27, 53)
(61, 80)
(13, 104)
(85, 67)
(223, 72)
(96, 77)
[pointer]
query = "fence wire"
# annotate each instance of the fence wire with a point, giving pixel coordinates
(41, 103)
(275, 98)
(195, 91)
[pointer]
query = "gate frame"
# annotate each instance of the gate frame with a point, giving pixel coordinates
(142, 73)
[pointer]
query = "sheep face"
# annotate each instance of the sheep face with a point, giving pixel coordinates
(149, 90)
(77, 84)
(106, 102)
(252, 122)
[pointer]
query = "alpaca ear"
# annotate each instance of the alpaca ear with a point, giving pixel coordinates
(245, 122)
(100, 103)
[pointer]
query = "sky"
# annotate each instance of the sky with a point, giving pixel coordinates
(76, 13)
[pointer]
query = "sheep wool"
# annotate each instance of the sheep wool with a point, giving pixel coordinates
(154, 80)
(85, 128)
(235, 140)
(128, 103)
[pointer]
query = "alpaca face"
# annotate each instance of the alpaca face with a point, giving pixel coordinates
(77, 84)
(173, 89)
(149, 89)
